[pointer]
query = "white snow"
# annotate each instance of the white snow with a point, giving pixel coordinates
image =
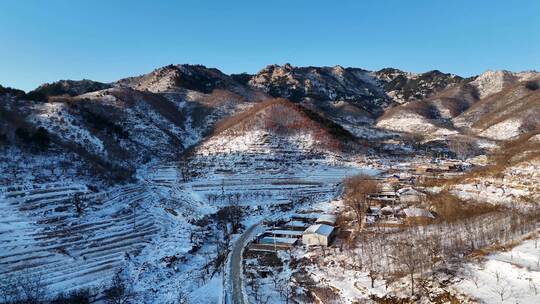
(506, 129)
(507, 277)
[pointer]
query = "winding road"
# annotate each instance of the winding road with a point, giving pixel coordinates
(233, 277)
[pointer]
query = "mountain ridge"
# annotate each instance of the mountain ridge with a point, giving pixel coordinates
(175, 107)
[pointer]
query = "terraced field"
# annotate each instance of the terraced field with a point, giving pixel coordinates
(266, 169)
(76, 237)
(44, 234)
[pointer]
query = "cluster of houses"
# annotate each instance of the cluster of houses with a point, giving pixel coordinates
(396, 201)
(306, 229)
(316, 229)
(409, 173)
(401, 205)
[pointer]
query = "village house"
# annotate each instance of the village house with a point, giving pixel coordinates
(277, 242)
(410, 195)
(318, 235)
(384, 197)
(416, 215)
(285, 233)
(389, 212)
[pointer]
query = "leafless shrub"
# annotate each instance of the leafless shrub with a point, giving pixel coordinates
(76, 297)
(119, 292)
(182, 297)
(533, 286)
(9, 289)
(503, 290)
(463, 148)
(325, 294)
(24, 287)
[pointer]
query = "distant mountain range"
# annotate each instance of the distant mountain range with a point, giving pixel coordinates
(118, 126)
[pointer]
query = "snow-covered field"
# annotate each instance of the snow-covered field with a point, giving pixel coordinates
(511, 276)
(147, 230)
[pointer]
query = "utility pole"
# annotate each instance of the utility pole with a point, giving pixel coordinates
(134, 216)
(222, 191)
(274, 230)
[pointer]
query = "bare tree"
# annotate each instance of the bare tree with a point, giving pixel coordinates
(411, 258)
(118, 293)
(32, 286)
(474, 278)
(286, 290)
(25, 287)
(503, 291)
(182, 296)
(497, 275)
(274, 276)
(78, 203)
(356, 190)
(372, 264)
(235, 213)
(9, 289)
(463, 148)
(256, 289)
(533, 286)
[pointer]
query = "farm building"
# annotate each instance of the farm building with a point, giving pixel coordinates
(269, 243)
(296, 225)
(410, 195)
(413, 214)
(385, 197)
(305, 218)
(268, 240)
(319, 234)
(389, 211)
(285, 233)
(327, 219)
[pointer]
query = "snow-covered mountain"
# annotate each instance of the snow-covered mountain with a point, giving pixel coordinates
(68, 87)
(404, 86)
(159, 115)
(496, 105)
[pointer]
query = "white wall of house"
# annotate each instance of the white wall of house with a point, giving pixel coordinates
(315, 239)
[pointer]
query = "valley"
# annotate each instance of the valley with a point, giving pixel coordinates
(154, 188)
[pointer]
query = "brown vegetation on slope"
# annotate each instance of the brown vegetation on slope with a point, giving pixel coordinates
(283, 117)
(454, 100)
(520, 100)
(510, 154)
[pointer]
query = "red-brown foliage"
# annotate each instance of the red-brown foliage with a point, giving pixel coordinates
(283, 117)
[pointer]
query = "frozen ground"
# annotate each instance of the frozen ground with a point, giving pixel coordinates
(147, 230)
(511, 276)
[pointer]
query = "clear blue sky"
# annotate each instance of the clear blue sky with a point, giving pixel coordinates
(43, 41)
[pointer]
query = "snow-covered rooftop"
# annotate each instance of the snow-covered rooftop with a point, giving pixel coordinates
(285, 232)
(326, 218)
(321, 229)
(277, 240)
(408, 191)
(417, 212)
(295, 224)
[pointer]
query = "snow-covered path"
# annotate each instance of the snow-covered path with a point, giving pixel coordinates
(233, 278)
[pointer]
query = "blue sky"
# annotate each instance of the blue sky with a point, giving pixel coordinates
(43, 41)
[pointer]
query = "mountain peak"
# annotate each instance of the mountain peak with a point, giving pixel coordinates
(67, 87)
(181, 76)
(494, 81)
